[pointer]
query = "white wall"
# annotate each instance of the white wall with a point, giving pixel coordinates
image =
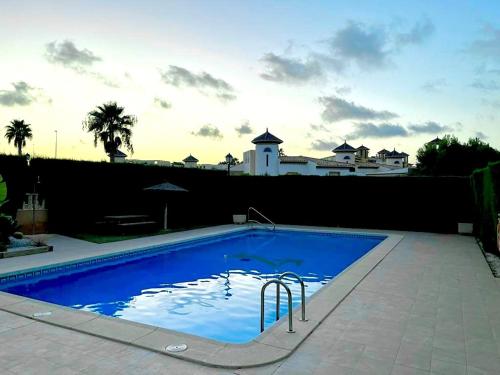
(249, 162)
(304, 169)
(339, 156)
(392, 161)
(326, 171)
(267, 162)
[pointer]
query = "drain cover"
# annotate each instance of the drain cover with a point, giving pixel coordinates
(42, 314)
(176, 348)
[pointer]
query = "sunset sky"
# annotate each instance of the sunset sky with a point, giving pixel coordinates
(205, 77)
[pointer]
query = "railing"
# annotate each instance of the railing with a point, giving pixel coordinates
(302, 293)
(262, 215)
(262, 292)
(279, 282)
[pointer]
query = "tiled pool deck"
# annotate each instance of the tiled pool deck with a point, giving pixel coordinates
(430, 306)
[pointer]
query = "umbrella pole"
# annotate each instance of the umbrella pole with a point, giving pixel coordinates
(165, 218)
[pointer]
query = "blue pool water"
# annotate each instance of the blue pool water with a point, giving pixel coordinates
(209, 287)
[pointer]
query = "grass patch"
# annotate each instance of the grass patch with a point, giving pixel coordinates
(103, 238)
(106, 238)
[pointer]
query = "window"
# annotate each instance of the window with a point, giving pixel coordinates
(347, 158)
(396, 162)
(267, 160)
(268, 149)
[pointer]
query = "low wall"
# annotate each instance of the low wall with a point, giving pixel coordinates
(25, 219)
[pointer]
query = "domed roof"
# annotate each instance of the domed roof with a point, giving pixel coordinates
(190, 159)
(345, 147)
(267, 138)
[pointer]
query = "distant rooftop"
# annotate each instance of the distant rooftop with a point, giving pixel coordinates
(362, 148)
(119, 154)
(190, 159)
(434, 141)
(395, 154)
(345, 147)
(267, 138)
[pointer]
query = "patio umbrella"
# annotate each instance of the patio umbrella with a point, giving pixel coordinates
(164, 188)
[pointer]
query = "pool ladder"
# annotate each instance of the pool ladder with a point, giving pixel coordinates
(279, 282)
(262, 215)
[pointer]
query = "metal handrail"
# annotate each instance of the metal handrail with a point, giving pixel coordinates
(262, 215)
(302, 294)
(262, 293)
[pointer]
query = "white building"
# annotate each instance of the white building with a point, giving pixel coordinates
(191, 162)
(119, 156)
(266, 160)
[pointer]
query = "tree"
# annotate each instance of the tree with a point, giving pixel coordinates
(234, 161)
(18, 131)
(449, 157)
(111, 127)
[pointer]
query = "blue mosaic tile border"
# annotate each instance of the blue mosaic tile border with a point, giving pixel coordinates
(127, 255)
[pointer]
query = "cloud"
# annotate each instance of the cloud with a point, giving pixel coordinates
(366, 46)
(430, 127)
(22, 94)
(486, 85)
(489, 46)
(162, 103)
(244, 129)
(435, 85)
(320, 145)
(68, 55)
(208, 131)
(342, 90)
(389, 130)
(288, 70)
(480, 135)
(371, 47)
(418, 34)
(491, 103)
(370, 130)
(319, 127)
(338, 109)
(203, 82)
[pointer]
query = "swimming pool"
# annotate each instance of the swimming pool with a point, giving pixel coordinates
(209, 287)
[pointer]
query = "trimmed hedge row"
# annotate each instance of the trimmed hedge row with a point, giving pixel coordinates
(486, 187)
(15, 171)
(79, 193)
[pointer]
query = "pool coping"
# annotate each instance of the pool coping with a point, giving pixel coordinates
(271, 346)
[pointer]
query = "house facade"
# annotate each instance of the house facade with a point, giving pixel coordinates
(265, 160)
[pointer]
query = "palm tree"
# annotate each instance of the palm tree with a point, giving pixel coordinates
(111, 127)
(18, 131)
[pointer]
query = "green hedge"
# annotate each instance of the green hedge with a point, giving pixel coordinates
(486, 188)
(79, 193)
(15, 172)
